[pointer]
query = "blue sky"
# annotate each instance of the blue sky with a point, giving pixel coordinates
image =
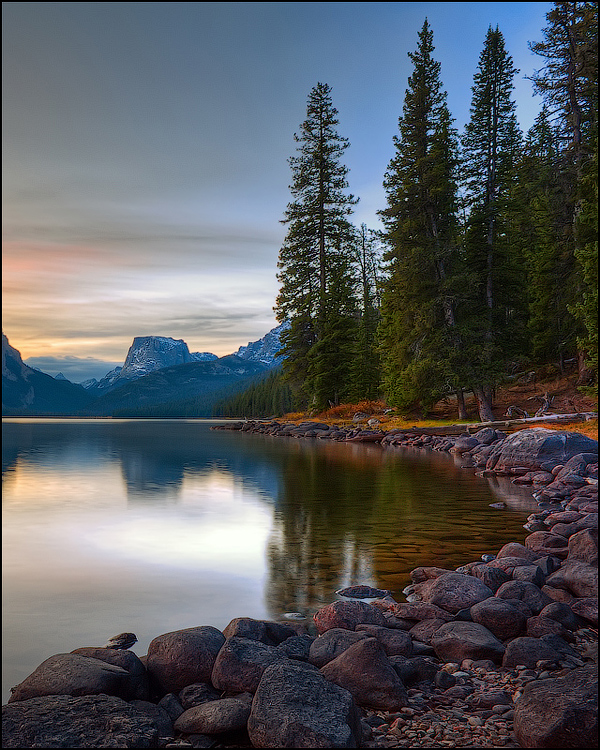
(145, 150)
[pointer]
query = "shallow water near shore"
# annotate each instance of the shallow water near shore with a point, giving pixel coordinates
(155, 525)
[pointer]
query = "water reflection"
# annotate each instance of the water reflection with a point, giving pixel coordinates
(150, 526)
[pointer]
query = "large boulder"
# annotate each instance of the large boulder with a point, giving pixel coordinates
(295, 706)
(583, 546)
(452, 591)
(528, 651)
(331, 644)
(241, 662)
(560, 712)
(73, 674)
(84, 721)
(456, 641)
(577, 577)
(529, 593)
(216, 717)
(138, 682)
(533, 447)
(395, 642)
(366, 672)
(183, 657)
(266, 631)
(347, 614)
(500, 617)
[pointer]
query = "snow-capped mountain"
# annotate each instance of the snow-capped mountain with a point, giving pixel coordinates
(264, 350)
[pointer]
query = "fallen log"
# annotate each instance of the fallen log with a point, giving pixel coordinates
(504, 424)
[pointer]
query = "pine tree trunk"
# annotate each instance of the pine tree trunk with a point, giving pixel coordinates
(460, 402)
(483, 394)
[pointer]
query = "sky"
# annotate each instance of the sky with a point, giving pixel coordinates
(146, 147)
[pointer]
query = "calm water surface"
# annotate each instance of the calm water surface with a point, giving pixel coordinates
(155, 525)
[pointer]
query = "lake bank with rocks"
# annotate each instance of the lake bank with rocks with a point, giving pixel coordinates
(501, 652)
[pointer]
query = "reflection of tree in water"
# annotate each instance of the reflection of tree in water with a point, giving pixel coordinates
(355, 515)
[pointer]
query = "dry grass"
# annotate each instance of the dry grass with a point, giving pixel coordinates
(567, 399)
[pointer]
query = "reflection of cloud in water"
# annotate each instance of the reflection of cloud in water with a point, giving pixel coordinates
(516, 496)
(217, 525)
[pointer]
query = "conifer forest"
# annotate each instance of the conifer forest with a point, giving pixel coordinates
(487, 261)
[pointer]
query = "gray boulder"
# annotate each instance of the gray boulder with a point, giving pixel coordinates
(395, 642)
(452, 591)
(560, 712)
(347, 614)
(84, 721)
(529, 593)
(366, 672)
(492, 577)
(535, 446)
(183, 657)
(456, 641)
(583, 546)
(241, 662)
(216, 717)
(139, 683)
(295, 706)
(331, 644)
(500, 617)
(528, 651)
(579, 578)
(73, 674)
(266, 631)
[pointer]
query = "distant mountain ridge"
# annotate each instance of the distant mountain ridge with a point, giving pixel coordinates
(26, 391)
(160, 375)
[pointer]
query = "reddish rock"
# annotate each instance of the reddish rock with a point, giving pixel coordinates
(453, 591)
(418, 575)
(559, 712)
(547, 543)
(366, 673)
(417, 611)
(394, 642)
(500, 617)
(492, 577)
(579, 578)
(514, 549)
(583, 546)
(331, 644)
(347, 614)
(266, 631)
(528, 651)
(587, 608)
(455, 641)
(527, 592)
(539, 625)
(183, 657)
(240, 664)
(423, 631)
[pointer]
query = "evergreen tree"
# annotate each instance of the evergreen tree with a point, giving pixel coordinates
(366, 371)
(418, 329)
(316, 275)
(491, 326)
(540, 218)
(569, 83)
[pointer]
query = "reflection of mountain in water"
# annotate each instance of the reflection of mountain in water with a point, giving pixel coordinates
(154, 456)
(343, 514)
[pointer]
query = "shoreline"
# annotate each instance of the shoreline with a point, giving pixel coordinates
(430, 675)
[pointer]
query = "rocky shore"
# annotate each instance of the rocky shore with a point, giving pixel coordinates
(501, 652)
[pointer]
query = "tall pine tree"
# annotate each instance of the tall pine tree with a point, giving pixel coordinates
(316, 273)
(418, 328)
(568, 82)
(492, 325)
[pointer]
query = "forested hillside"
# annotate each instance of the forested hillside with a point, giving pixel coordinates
(487, 262)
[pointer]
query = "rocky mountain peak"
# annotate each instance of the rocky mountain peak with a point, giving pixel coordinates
(149, 353)
(265, 349)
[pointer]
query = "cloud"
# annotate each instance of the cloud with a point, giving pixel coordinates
(75, 369)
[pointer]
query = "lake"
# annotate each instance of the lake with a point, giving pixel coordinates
(150, 526)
